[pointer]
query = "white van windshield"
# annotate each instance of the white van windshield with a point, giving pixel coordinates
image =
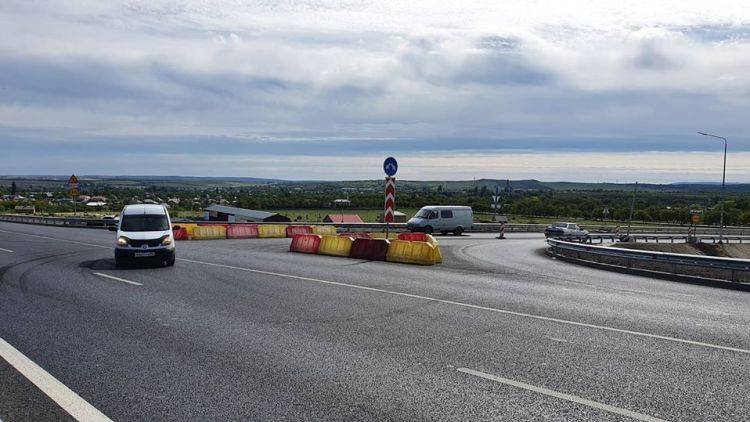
(144, 223)
(423, 213)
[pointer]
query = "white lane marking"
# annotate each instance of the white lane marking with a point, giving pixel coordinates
(450, 302)
(9, 251)
(563, 396)
(111, 277)
(66, 398)
(484, 308)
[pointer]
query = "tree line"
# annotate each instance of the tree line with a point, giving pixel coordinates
(650, 206)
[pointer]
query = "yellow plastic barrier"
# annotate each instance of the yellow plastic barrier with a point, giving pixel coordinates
(189, 227)
(406, 252)
(271, 230)
(335, 245)
(381, 235)
(209, 232)
(324, 230)
(438, 255)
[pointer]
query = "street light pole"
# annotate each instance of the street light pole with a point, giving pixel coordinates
(723, 183)
(632, 208)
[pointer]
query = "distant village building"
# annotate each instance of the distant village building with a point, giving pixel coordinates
(97, 201)
(237, 215)
(343, 218)
(342, 203)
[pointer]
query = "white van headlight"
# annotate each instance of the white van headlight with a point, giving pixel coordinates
(166, 241)
(122, 241)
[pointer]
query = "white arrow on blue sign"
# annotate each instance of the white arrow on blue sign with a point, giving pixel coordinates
(390, 166)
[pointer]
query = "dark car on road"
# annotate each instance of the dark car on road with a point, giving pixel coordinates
(565, 230)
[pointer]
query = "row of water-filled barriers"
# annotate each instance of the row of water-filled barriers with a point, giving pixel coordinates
(408, 248)
(199, 231)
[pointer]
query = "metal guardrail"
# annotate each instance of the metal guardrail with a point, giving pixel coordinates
(603, 230)
(657, 238)
(59, 221)
(103, 223)
(668, 261)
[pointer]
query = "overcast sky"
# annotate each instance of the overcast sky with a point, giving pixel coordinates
(553, 90)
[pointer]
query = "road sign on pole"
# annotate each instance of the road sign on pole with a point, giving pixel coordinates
(73, 191)
(390, 166)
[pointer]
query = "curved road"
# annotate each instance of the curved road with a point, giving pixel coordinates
(242, 329)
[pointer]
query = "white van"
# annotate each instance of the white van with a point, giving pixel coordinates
(441, 218)
(144, 233)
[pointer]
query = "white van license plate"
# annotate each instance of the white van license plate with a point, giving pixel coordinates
(144, 254)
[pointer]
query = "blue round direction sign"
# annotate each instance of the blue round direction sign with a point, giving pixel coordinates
(390, 166)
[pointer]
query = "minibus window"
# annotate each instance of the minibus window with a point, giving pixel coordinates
(144, 223)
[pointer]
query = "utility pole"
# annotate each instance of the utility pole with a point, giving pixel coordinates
(723, 183)
(632, 207)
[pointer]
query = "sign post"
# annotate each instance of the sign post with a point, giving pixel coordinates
(695, 218)
(390, 166)
(73, 190)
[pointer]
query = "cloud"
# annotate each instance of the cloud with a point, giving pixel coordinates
(352, 77)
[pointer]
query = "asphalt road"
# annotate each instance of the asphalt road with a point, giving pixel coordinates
(244, 330)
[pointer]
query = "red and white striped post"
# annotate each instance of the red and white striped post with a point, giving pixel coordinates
(502, 232)
(390, 202)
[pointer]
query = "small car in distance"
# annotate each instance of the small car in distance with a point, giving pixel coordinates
(565, 230)
(144, 234)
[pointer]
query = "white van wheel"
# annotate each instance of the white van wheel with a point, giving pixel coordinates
(428, 229)
(458, 231)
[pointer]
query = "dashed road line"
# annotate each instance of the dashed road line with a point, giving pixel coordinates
(563, 396)
(66, 398)
(9, 251)
(111, 277)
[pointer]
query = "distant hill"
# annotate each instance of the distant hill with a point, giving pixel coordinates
(56, 182)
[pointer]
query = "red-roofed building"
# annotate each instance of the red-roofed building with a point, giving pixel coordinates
(343, 218)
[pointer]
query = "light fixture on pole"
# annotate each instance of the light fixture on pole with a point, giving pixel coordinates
(723, 182)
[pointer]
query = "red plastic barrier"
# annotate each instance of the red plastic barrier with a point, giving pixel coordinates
(356, 235)
(370, 249)
(413, 237)
(180, 234)
(292, 230)
(242, 231)
(305, 243)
